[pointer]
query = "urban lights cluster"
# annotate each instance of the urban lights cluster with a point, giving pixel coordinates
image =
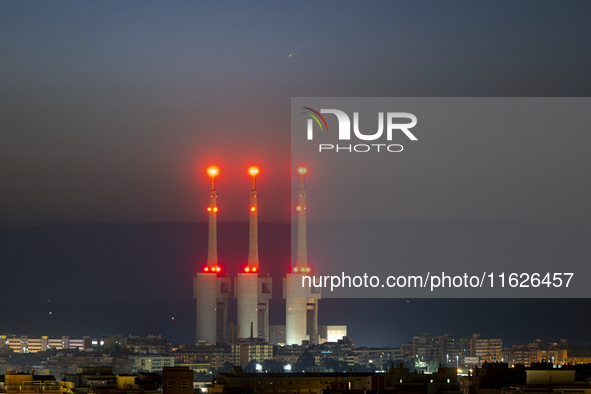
(303, 270)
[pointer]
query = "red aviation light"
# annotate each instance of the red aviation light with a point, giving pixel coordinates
(254, 269)
(218, 268)
(252, 209)
(302, 170)
(215, 209)
(208, 209)
(298, 208)
(253, 171)
(295, 269)
(206, 269)
(213, 171)
(246, 269)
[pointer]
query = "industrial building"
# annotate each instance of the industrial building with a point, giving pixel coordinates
(301, 309)
(211, 286)
(252, 287)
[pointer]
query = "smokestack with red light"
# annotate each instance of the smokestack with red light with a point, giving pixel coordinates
(211, 286)
(253, 244)
(302, 256)
(212, 246)
(301, 302)
(253, 288)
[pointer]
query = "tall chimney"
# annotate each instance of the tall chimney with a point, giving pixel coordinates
(302, 256)
(212, 247)
(251, 330)
(231, 332)
(253, 243)
(238, 332)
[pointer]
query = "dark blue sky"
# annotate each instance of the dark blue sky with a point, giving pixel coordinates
(110, 110)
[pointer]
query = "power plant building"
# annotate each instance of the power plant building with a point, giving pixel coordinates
(301, 309)
(253, 288)
(211, 286)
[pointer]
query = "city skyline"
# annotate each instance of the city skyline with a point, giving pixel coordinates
(111, 111)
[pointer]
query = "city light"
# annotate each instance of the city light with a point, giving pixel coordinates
(301, 269)
(213, 171)
(302, 170)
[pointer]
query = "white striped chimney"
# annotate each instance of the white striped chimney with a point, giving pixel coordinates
(302, 256)
(212, 246)
(253, 243)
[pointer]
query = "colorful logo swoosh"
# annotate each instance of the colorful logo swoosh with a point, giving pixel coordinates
(316, 117)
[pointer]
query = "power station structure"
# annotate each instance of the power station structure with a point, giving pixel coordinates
(301, 303)
(252, 288)
(211, 286)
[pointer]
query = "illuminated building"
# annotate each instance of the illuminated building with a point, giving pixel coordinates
(246, 350)
(211, 286)
(253, 288)
(150, 362)
(331, 333)
(21, 383)
(487, 349)
(26, 344)
(396, 380)
(301, 320)
(215, 356)
(454, 350)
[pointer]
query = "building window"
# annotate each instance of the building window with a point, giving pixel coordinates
(170, 384)
(185, 384)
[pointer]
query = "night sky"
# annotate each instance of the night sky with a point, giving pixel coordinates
(111, 111)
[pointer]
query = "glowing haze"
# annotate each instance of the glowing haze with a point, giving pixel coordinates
(111, 111)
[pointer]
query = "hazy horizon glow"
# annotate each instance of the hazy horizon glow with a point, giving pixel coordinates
(110, 111)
